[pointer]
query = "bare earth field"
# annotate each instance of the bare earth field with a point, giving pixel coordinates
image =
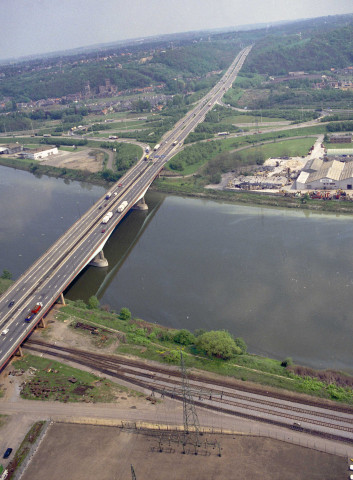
(84, 452)
(86, 159)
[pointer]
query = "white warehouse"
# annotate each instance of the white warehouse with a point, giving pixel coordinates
(40, 153)
(330, 176)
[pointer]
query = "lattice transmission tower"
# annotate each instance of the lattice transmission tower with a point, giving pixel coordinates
(191, 421)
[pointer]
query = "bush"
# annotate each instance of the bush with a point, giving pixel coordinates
(93, 302)
(125, 314)
(6, 275)
(218, 343)
(137, 339)
(184, 337)
(166, 336)
(241, 344)
(287, 362)
(80, 304)
(171, 356)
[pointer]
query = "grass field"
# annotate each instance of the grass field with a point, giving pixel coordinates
(278, 147)
(4, 284)
(55, 381)
(338, 146)
(291, 148)
(239, 119)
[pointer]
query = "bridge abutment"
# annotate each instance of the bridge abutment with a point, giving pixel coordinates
(99, 260)
(140, 205)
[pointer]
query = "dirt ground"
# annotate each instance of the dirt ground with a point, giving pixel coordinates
(59, 333)
(84, 452)
(85, 159)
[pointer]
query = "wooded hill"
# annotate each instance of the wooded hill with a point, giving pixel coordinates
(313, 45)
(182, 66)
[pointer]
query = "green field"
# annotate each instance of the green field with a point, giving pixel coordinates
(278, 147)
(331, 146)
(238, 119)
(55, 381)
(5, 284)
(291, 148)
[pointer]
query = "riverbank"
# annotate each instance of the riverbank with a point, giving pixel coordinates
(64, 173)
(121, 334)
(185, 187)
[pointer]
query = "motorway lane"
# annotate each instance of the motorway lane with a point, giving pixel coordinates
(51, 255)
(53, 271)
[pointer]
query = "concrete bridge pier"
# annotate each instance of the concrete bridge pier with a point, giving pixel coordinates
(61, 299)
(42, 323)
(140, 205)
(99, 260)
(19, 352)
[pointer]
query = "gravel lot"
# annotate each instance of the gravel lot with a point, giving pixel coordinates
(84, 452)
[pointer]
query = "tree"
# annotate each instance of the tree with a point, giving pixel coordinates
(239, 342)
(125, 314)
(6, 275)
(184, 337)
(218, 343)
(93, 302)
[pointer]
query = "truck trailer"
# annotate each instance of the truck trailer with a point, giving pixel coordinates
(34, 311)
(122, 206)
(107, 217)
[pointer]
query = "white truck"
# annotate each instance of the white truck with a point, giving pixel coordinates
(108, 195)
(122, 206)
(107, 217)
(156, 147)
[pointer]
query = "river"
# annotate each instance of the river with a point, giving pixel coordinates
(281, 279)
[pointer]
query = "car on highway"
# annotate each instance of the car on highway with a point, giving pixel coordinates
(103, 230)
(5, 331)
(120, 185)
(7, 453)
(12, 303)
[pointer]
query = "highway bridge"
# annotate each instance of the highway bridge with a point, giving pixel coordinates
(83, 242)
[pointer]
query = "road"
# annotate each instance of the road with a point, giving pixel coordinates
(170, 412)
(59, 265)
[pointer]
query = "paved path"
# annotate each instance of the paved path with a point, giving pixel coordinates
(24, 412)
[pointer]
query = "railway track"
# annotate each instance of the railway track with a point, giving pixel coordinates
(222, 396)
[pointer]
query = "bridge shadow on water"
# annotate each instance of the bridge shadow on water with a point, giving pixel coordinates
(94, 281)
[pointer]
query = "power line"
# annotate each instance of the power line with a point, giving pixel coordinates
(190, 417)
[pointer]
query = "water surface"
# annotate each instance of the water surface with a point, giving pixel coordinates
(281, 279)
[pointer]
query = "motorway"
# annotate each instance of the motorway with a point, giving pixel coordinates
(48, 277)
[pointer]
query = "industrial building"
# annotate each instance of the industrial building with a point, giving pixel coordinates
(330, 175)
(40, 153)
